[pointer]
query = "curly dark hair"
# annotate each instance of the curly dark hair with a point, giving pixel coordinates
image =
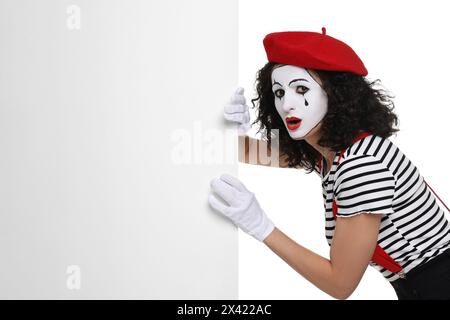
(354, 104)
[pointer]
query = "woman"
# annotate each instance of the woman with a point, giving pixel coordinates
(378, 208)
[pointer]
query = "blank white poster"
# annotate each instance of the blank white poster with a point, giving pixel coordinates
(110, 132)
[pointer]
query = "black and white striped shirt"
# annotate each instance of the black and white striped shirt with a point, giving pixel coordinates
(374, 176)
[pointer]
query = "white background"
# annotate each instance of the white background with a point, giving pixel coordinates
(402, 43)
(85, 123)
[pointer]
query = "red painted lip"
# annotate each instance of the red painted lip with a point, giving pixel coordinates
(293, 123)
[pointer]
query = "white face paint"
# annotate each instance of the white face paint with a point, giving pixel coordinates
(299, 99)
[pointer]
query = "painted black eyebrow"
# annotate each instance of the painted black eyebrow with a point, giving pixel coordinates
(300, 79)
(277, 84)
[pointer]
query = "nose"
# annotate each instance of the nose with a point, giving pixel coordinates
(288, 104)
(287, 107)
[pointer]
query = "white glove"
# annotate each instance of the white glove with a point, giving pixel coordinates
(237, 110)
(243, 209)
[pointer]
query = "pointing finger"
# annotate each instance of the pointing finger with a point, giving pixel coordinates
(217, 205)
(229, 179)
(225, 191)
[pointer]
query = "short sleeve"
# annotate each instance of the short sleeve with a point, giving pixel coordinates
(363, 184)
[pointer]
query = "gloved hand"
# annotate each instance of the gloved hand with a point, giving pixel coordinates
(237, 110)
(243, 209)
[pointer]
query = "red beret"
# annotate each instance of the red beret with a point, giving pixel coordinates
(312, 50)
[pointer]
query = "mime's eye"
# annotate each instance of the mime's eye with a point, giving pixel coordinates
(279, 93)
(302, 89)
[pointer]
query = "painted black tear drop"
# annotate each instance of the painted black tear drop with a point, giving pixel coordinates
(306, 103)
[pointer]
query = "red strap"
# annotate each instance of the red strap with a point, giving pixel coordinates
(437, 195)
(360, 136)
(319, 164)
(380, 257)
